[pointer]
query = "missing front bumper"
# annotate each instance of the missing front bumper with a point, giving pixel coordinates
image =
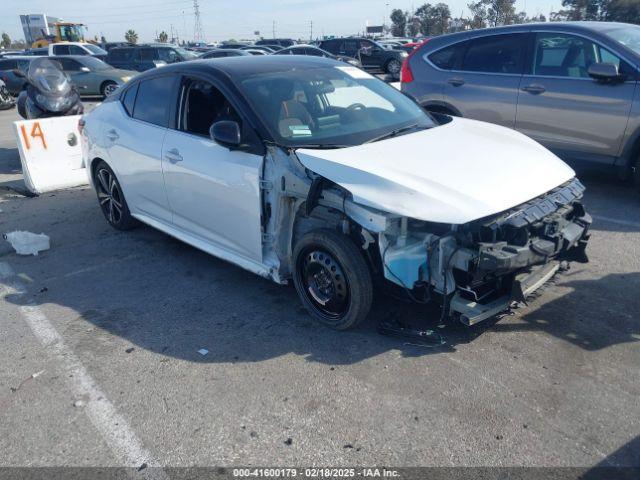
(525, 284)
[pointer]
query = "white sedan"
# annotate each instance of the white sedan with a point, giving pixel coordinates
(308, 169)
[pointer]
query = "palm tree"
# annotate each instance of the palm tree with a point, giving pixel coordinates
(131, 36)
(163, 37)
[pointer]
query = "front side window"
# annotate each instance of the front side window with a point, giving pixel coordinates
(8, 64)
(168, 55)
(69, 64)
(203, 106)
(152, 103)
(494, 54)
(329, 106)
(563, 55)
(76, 50)
(148, 54)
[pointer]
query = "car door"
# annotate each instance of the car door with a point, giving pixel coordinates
(371, 55)
(81, 79)
(562, 107)
(214, 192)
(134, 140)
(483, 84)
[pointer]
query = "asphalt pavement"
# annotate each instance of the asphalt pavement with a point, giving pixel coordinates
(99, 364)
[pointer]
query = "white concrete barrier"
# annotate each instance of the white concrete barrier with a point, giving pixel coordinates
(50, 153)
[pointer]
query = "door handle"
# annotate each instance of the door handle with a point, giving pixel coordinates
(173, 156)
(113, 135)
(456, 81)
(534, 89)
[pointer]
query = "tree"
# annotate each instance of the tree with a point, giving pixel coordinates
(131, 36)
(492, 13)
(163, 37)
(433, 19)
(6, 40)
(398, 23)
(621, 11)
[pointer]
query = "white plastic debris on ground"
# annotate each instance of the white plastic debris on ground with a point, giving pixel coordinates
(203, 351)
(27, 243)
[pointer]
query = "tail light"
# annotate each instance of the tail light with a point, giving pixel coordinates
(406, 75)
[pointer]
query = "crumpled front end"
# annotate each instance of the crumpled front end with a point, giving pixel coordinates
(480, 268)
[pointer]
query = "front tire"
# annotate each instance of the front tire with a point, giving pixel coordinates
(332, 279)
(111, 199)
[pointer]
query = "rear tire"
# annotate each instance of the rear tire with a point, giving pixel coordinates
(332, 279)
(107, 88)
(111, 199)
(393, 68)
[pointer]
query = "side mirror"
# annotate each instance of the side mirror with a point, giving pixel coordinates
(604, 71)
(19, 73)
(226, 133)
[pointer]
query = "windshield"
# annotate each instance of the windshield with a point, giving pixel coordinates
(330, 106)
(47, 76)
(94, 63)
(186, 54)
(627, 36)
(95, 49)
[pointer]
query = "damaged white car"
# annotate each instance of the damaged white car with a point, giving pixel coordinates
(303, 168)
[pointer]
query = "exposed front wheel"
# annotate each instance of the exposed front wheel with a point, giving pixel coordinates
(332, 279)
(394, 67)
(112, 203)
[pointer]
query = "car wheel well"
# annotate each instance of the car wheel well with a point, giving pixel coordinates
(105, 83)
(93, 165)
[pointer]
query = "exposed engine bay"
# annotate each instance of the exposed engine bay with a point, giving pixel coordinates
(474, 270)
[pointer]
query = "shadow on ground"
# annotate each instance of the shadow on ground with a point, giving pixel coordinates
(169, 298)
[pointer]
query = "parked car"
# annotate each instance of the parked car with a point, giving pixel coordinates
(109, 45)
(263, 48)
(76, 48)
(570, 86)
(372, 55)
(232, 45)
(253, 51)
(8, 65)
(317, 52)
(225, 52)
(275, 48)
(283, 42)
(145, 57)
(92, 76)
(308, 169)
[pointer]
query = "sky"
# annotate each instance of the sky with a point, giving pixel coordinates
(225, 19)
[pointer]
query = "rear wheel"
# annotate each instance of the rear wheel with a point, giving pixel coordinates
(112, 203)
(393, 68)
(108, 88)
(332, 279)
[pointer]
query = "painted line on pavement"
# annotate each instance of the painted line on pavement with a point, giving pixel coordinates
(113, 427)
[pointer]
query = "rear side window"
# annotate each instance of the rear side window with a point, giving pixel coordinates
(8, 64)
(445, 59)
(494, 54)
(121, 54)
(129, 99)
(61, 49)
(153, 100)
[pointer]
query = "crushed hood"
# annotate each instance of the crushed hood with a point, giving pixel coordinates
(455, 173)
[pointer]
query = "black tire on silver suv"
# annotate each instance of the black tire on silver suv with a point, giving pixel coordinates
(332, 279)
(111, 199)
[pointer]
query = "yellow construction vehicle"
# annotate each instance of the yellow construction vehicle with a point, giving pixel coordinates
(64, 32)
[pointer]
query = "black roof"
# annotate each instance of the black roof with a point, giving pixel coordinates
(241, 66)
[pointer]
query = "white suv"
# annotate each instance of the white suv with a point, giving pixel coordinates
(77, 48)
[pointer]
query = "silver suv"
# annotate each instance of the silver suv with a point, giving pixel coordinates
(570, 86)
